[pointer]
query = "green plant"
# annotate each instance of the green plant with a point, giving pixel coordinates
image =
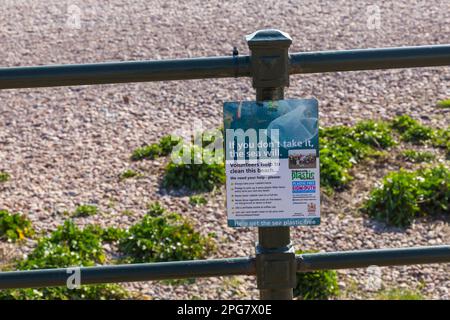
(411, 130)
(444, 103)
(111, 234)
(167, 143)
(403, 123)
(164, 237)
(85, 210)
(374, 134)
(155, 209)
(128, 213)
(341, 147)
(162, 148)
(195, 176)
(197, 200)
(86, 292)
(434, 190)
(128, 174)
(418, 134)
(414, 132)
(4, 176)
(146, 152)
(398, 294)
(417, 156)
(316, 285)
(405, 195)
(441, 139)
(67, 246)
(14, 226)
(334, 174)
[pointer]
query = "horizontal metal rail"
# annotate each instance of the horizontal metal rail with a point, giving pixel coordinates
(222, 267)
(219, 67)
(130, 272)
(121, 72)
(378, 257)
(370, 59)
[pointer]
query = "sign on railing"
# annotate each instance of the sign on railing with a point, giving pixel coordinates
(272, 163)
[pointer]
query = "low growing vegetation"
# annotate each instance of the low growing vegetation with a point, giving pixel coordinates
(155, 150)
(197, 200)
(67, 246)
(405, 195)
(398, 294)
(159, 236)
(411, 130)
(129, 174)
(316, 285)
(4, 176)
(111, 234)
(85, 210)
(341, 147)
(441, 139)
(14, 226)
(195, 176)
(444, 103)
(87, 292)
(417, 156)
(164, 236)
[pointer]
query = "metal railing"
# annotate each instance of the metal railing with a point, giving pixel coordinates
(275, 264)
(220, 67)
(222, 267)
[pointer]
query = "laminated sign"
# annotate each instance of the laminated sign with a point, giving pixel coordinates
(272, 163)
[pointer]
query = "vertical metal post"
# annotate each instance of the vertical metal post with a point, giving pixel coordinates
(275, 256)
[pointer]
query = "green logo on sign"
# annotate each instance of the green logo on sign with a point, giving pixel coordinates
(302, 175)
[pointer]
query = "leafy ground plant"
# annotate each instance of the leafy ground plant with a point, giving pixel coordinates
(164, 236)
(398, 294)
(14, 226)
(316, 285)
(85, 210)
(155, 150)
(67, 246)
(441, 139)
(417, 156)
(87, 292)
(411, 130)
(405, 195)
(128, 174)
(341, 147)
(444, 103)
(111, 234)
(195, 176)
(4, 176)
(197, 200)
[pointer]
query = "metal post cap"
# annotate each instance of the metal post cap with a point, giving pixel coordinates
(272, 37)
